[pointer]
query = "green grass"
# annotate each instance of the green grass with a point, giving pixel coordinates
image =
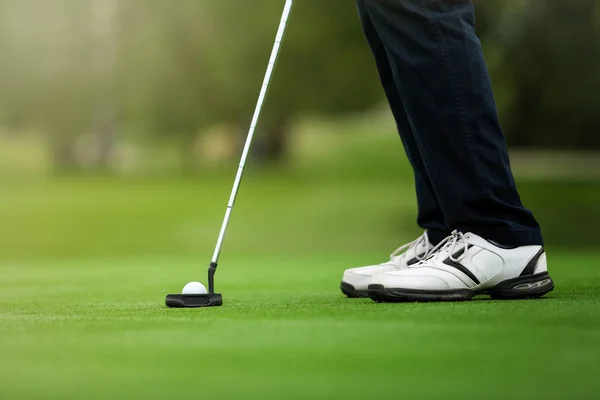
(98, 330)
(85, 264)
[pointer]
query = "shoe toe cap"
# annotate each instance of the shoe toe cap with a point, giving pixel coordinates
(360, 278)
(415, 279)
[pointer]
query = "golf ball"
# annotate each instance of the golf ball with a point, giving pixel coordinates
(194, 288)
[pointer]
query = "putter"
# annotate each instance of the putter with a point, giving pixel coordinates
(211, 298)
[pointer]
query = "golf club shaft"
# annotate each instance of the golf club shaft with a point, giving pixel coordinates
(261, 98)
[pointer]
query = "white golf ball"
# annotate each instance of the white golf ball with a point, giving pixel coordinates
(194, 288)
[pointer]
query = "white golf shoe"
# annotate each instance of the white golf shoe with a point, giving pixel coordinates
(355, 281)
(463, 266)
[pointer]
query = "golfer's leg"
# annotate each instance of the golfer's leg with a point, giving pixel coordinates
(443, 81)
(430, 215)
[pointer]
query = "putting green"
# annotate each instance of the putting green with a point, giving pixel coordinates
(98, 329)
(85, 265)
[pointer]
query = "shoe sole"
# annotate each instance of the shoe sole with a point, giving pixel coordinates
(528, 287)
(352, 293)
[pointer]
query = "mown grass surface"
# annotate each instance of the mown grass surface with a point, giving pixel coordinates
(85, 264)
(98, 329)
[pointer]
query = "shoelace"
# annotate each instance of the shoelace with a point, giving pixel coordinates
(450, 245)
(423, 240)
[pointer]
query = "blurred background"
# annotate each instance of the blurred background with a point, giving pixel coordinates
(121, 127)
(122, 121)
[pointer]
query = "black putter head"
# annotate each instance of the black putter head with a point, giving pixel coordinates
(210, 299)
(194, 300)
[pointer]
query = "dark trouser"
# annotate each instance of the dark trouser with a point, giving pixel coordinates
(436, 80)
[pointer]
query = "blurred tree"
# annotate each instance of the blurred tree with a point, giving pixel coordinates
(48, 78)
(547, 65)
(105, 38)
(165, 71)
(162, 70)
(209, 59)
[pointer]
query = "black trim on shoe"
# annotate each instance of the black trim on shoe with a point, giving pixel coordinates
(502, 246)
(412, 262)
(351, 292)
(528, 287)
(461, 252)
(530, 268)
(380, 294)
(417, 259)
(462, 269)
(523, 287)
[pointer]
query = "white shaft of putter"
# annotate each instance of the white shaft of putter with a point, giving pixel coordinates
(261, 98)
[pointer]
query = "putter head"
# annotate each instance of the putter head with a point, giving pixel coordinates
(194, 300)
